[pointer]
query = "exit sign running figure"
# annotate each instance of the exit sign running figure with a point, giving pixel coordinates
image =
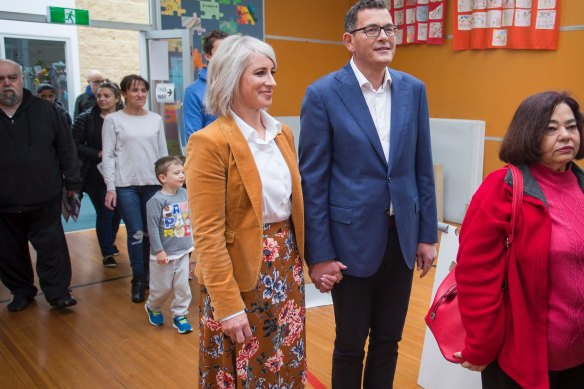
(78, 17)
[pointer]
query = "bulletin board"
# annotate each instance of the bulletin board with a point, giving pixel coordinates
(419, 21)
(200, 16)
(510, 24)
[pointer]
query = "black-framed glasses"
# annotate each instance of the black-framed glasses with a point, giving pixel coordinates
(374, 30)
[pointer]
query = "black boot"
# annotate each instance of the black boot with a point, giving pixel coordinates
(137, 291)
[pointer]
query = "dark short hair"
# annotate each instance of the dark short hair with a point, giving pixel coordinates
(131, 79)
(522, 142)
(161, 166)
(45, 86)
(210, 38)
(352, 13)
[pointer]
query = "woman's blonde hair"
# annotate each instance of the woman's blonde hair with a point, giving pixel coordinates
(225, 70)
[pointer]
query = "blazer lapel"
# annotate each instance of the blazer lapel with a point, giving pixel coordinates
(245, 163)
(350, 94)
(399, 109)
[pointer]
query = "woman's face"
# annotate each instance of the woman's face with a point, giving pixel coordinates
(106, 99)
(561, 141)
(257, 83)
(136, 94)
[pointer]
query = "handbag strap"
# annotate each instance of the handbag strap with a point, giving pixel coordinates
(515, 209)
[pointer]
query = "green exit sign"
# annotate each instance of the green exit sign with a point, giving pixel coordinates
(69, 16)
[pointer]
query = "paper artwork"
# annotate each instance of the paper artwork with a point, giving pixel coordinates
(546, 4)
(494, 18)
(507, 20)
(545, 20)
(437, 13)
(499, 38)
(423, 31)
(422, 13)
(523, 18)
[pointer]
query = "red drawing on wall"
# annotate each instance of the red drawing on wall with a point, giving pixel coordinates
(419, 21)
(509, 24)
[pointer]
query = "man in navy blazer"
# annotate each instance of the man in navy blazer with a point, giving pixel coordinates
(370, 205)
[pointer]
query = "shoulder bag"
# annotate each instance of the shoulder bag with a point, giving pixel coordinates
(443, 317)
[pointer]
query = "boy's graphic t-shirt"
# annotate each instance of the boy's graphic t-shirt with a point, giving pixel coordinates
(169, 224)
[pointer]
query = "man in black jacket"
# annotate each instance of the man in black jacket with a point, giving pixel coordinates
(87, 99)
(36, 153)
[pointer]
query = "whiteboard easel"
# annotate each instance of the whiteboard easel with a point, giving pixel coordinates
(435, 371)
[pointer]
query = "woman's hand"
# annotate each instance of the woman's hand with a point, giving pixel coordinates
(237, 328)
(468, 365)
(110, 199)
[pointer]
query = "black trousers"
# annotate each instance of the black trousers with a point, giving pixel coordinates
(375, 306)
(43, 228)
(493, 377)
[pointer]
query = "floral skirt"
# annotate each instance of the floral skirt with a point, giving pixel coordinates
(275, 357)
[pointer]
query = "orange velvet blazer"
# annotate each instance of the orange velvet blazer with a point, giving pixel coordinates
(225, 199)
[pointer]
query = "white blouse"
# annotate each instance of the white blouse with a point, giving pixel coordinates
(272, 167)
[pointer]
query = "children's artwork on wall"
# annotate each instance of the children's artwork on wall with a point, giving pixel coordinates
(510, 24)
(202, 16)
(419, 21)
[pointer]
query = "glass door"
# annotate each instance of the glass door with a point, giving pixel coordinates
(166, 61)
(42, 61)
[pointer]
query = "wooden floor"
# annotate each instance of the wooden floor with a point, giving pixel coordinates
(106, 341)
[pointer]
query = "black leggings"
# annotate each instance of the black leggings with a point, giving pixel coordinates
(495, 378)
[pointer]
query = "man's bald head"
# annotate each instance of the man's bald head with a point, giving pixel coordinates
(11, 83)
(95, 78)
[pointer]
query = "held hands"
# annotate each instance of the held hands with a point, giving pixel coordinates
(161, 258)
(425, 257)
(237, 328)
(467, 364)
(110, 199)
(326, 274)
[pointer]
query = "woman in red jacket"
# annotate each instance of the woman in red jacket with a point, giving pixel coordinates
(531, 333)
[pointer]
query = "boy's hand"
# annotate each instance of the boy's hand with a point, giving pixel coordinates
(161, 258)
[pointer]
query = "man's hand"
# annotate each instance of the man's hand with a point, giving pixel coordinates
(237, 328)
(161, 257)
(425, 257)
(326, 274)
(110, 199)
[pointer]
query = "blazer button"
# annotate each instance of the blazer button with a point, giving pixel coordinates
(387, 211)
(388, 179)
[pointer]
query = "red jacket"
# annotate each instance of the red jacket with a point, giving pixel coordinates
(506, 325)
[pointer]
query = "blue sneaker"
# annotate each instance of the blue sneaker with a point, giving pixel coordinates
(182, 324)
(154, 317)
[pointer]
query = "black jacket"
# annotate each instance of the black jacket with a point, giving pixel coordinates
(83, 102)
(36, 153)
(84, 130)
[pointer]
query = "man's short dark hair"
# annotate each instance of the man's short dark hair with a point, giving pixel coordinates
(210, 39)
(522, 142)
(161, 166)
(351, 16)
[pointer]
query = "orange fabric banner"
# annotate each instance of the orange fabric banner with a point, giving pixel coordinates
(419, 21)
(506, 24)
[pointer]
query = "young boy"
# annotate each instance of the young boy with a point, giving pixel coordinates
(171, 241)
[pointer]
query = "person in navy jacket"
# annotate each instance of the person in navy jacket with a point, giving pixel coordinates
(370, 204)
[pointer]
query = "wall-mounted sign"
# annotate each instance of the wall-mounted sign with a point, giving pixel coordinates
(72, 16)
(165, 93)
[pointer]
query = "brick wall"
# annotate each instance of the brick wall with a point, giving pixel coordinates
(115, 52)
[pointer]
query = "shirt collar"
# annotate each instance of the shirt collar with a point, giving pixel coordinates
(273, 127)
(363, 82)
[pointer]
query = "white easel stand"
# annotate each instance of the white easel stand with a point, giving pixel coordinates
(435, 371)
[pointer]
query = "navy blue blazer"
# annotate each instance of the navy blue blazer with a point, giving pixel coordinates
(347, 183)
